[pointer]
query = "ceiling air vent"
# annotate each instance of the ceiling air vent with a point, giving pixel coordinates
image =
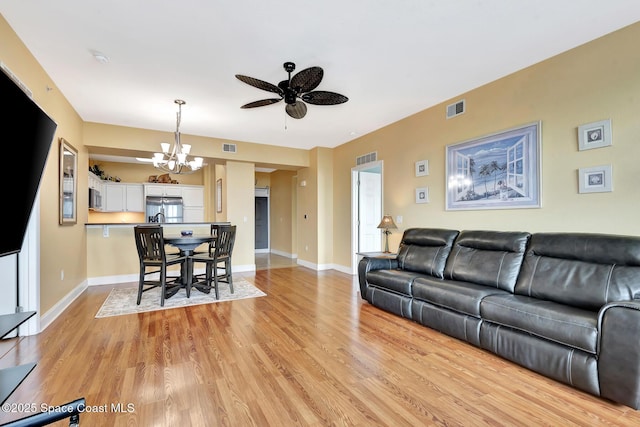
(229, 148)
(367, 158)
(455, 109)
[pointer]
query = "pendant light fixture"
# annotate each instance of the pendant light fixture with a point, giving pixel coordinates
(174, 159)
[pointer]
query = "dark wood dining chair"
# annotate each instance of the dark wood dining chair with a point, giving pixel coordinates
(218, 261)
(211, 245)
(153, 260)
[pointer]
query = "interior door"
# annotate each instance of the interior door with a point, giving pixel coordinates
(370, 211)
(262, 223)
(366, 188)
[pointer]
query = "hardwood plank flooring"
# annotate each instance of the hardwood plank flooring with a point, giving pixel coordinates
(310, 353)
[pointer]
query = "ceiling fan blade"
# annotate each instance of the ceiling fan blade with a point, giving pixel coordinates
(262, 103)
(321, 97)
(307, 80)
(260, 84)
(297, 110)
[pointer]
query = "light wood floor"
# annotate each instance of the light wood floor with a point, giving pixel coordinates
(269, 260)
(310, 353)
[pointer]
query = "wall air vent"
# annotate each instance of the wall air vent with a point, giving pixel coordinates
(367, 158)
(229, 148)
(455, 109)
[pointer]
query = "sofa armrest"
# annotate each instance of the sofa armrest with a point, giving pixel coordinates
(619, 352)
(373, 263)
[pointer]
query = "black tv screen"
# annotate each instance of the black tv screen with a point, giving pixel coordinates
(27, 133)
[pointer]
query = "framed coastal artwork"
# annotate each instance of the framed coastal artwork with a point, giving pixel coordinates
(594, 135)
(422, 195)
(422, 168)
(596, 179)
(497, 171)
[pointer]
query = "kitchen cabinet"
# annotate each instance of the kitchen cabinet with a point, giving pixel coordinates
(193, 196)
(123, 197)
(95, 182)
(193, 199)
(171, 190)
(192, 214)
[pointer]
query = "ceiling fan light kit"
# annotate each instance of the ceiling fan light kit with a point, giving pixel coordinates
(295, 91)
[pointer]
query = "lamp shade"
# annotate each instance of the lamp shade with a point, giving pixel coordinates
(387, 223)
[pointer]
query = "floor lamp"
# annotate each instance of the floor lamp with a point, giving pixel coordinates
(386, 224)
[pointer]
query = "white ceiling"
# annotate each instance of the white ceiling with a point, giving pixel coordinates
(392, 58)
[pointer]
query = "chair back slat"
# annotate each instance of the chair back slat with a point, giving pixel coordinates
(226, 237)
(150, 242)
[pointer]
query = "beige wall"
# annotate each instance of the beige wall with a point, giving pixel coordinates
(263, 179)
(282, 212)
(109, 139)
(596, 81)
(241, 195)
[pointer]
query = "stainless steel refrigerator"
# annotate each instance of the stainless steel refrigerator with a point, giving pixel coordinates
(164, 209)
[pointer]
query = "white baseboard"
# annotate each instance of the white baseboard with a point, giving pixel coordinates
(52, 314)
(284, 254)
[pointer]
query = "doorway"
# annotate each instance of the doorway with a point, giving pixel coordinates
(366, 203)
(262, 220)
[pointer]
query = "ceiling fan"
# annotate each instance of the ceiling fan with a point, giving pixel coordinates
(295, 90)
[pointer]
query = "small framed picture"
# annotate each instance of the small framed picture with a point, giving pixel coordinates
(594, 135)
(597, 179)
(422, 168)
(422, 195)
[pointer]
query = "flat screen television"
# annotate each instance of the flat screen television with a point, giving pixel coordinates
(27, 133)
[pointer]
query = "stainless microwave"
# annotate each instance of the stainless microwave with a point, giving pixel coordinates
(95, 199)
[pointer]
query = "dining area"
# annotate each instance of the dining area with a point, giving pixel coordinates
(190, 261)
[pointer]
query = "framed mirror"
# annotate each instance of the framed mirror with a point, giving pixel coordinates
(68, 183)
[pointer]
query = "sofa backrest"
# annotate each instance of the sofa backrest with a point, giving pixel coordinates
(581, 269)
(425, 250)
(490, 258)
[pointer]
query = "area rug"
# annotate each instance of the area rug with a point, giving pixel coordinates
(123, 300)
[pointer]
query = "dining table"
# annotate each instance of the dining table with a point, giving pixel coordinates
(187, 244)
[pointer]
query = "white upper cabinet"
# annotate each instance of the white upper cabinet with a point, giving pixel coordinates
(95, 182)
(122, 197)
(171, 190)
(193, 196)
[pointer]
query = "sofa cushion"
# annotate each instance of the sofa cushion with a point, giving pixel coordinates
(425, 250)
(398, 281)
(580, 269)
(566, 325)
(489, 258)
(453, 295)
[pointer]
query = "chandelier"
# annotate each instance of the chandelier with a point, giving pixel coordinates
(175, 159)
